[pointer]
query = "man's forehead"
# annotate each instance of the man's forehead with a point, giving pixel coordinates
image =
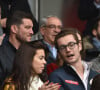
(66, 38)
(54, 20)
(26, 21)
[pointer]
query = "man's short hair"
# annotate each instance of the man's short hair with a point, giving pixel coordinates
(16, 18)
(44, 20)
(63, 33)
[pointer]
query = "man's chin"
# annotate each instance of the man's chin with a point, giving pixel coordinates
(28, 40)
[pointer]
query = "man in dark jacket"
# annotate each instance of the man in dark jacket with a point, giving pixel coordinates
(20, 25)
(50, 27)
(75, 73)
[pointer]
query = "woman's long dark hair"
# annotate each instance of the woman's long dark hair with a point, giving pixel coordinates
(22, 69)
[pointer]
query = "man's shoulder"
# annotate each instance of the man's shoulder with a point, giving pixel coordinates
(58, 71)
(3, 54)
(6, 52)
(3, 48)
(7, 47)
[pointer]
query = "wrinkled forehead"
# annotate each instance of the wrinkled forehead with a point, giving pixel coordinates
(54, 21)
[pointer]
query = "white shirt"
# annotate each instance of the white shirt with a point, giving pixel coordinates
(86, 74)
(35, 83)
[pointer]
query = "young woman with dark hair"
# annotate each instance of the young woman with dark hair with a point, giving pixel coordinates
(28, 69)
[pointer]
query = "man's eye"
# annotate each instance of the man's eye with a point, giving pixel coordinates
(51, 26)
(59, 27)
(41, 58)
(62, 47)
(72, 44)
(27, 27)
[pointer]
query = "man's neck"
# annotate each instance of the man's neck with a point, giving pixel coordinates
(51, 44)
(14, 42)
(79, 68)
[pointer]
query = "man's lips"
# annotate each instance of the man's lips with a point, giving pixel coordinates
(71, 55)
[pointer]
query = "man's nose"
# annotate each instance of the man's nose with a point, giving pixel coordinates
(57, 30)
(67, 48)
(31, 31)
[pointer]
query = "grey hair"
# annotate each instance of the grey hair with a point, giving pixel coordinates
(44, 20)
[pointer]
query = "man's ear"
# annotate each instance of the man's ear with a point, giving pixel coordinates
(94, 32)
(14, 28)
(42, 30)
(80, 46)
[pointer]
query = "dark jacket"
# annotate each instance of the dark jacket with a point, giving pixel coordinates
(89, 12)
(50, 58)
(7, 53)
(68, 78)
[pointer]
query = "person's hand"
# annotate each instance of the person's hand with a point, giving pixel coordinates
(50, 86)
(3, 22)
(1, 38)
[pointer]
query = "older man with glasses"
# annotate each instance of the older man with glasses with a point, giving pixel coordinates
(50, 27)
(75, 73)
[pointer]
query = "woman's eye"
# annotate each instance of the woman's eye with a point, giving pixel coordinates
(41, 57)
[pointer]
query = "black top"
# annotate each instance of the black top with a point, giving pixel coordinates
(7, 53)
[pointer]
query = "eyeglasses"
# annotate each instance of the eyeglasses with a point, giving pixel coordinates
(53, 26)
(70, 45)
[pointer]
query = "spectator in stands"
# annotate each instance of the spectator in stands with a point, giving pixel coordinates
(1, 30)
(1, 38)
(95, 64)
(8, 7)
(20, 25)
(96, 83)
(75, 73)
(92, 43)
(29, 63)
(89, 10)
(5, 7)
(50, 27)
(59, 62)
